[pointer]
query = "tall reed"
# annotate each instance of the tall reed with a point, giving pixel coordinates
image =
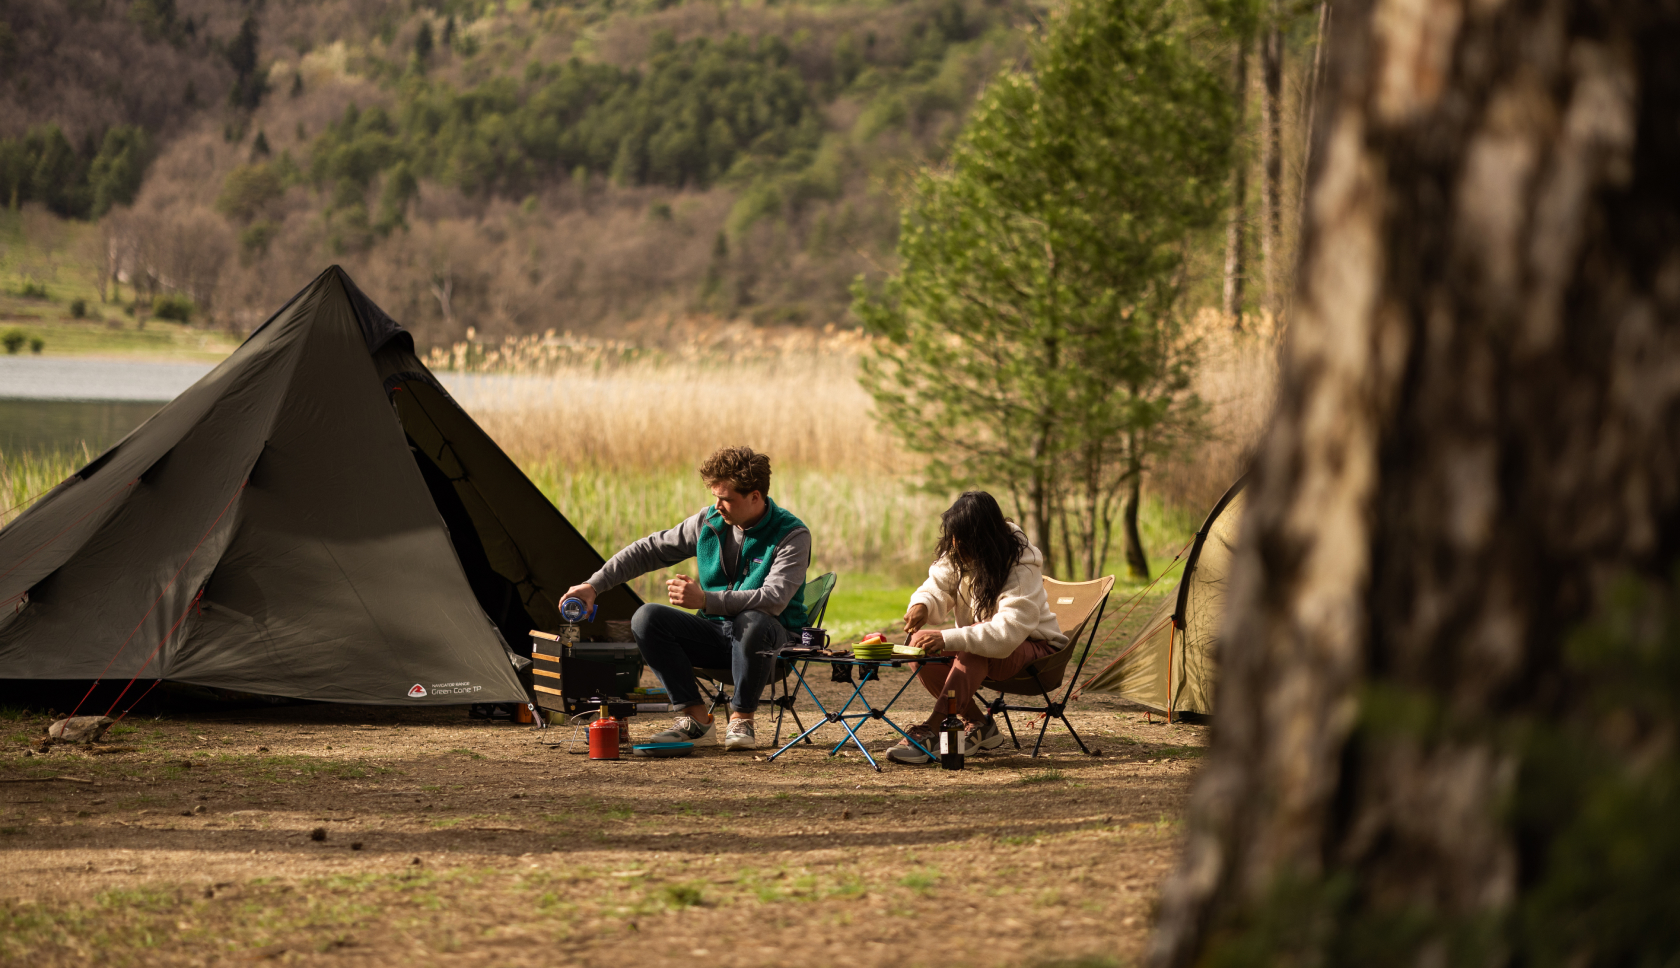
(25, 476)
(805, 410)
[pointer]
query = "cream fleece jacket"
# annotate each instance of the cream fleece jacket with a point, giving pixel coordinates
(1023, 610)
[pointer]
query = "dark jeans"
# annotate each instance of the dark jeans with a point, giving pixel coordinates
(674, 642)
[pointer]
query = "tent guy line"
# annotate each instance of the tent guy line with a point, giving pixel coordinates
(171, 584)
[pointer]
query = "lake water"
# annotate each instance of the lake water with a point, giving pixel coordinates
(61, 403)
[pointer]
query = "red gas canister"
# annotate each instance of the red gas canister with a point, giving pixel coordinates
(603, 737)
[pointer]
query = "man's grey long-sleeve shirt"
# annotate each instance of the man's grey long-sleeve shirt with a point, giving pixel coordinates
(665, 548)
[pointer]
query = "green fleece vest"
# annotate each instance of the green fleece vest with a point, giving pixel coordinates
(758, 551)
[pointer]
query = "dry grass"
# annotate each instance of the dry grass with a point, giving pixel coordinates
(609, 406)
(1238, 380)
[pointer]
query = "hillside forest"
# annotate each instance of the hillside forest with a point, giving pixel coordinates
(518, 166)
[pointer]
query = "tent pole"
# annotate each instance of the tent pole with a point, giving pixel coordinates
(1172, 630)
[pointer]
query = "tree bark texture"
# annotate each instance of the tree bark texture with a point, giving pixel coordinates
(1236, 235)
(1271, 152)
(1315, 79)
(1478, 429)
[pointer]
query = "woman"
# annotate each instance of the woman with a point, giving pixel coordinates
(988, 579)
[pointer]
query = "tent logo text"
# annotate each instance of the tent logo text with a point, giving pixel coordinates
(418, 692)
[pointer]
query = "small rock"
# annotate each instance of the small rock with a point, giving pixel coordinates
(186, 813)
(80, 729)
(415, 862)
(355, 845)
(318, 834)
(845, 815)
(28, 752)
(201, 808)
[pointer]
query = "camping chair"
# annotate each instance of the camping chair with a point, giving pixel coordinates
(816, 592)
(1079, 610)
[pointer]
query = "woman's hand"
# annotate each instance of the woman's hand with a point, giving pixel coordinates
(915, 618)
(930, 642)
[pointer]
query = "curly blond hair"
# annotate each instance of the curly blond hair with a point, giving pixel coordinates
(745, 470)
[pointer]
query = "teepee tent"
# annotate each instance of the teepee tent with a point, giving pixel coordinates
(1170, 666)
(316, 518)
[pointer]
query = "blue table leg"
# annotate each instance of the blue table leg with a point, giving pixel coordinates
(857, 693)
(838, 716)
(827, 716)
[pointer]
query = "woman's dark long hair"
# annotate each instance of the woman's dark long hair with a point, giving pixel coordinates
(975, 536)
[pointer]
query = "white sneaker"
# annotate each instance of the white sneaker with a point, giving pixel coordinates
(740, 736)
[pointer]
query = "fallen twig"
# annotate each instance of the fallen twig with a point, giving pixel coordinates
(45, 779)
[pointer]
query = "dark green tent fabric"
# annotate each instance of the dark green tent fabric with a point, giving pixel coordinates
(316, 518)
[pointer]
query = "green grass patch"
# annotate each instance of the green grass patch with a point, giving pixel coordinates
(921, 881)
(866, 603)
(683, 895)
(1042, 776)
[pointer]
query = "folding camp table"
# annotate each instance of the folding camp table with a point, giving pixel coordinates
(866, 671)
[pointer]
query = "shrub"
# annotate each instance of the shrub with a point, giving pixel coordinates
(13, 340)
(36, 345)
(174, 306)
(32, 290)
(78, 308)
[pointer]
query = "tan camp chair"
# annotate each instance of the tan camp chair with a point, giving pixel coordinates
(1079, 610)
(816, 592)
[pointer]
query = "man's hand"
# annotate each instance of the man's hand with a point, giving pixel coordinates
(584, 593)
(685, 592)
(930, 642)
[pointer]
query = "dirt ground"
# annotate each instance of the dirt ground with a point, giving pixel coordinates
(450, 840)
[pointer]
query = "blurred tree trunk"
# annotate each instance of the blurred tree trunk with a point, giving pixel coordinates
(1477, 430)
(1235, 228)
(1137, 563)
(1271, 150)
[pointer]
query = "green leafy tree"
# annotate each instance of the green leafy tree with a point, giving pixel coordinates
(57, 175)
(114, 177)
(249, 191)
(1034, 335)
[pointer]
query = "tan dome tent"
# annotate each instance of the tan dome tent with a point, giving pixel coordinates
(316, 518)
(1169, 667)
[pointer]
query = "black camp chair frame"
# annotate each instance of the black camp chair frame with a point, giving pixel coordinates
(779, 674)
(1052, 708)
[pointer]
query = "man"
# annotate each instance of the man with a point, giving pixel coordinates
(751, 557)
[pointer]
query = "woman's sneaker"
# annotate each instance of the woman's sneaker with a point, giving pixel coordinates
(985, 736)
(686, 729)
(907, 752)
(739, 735)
